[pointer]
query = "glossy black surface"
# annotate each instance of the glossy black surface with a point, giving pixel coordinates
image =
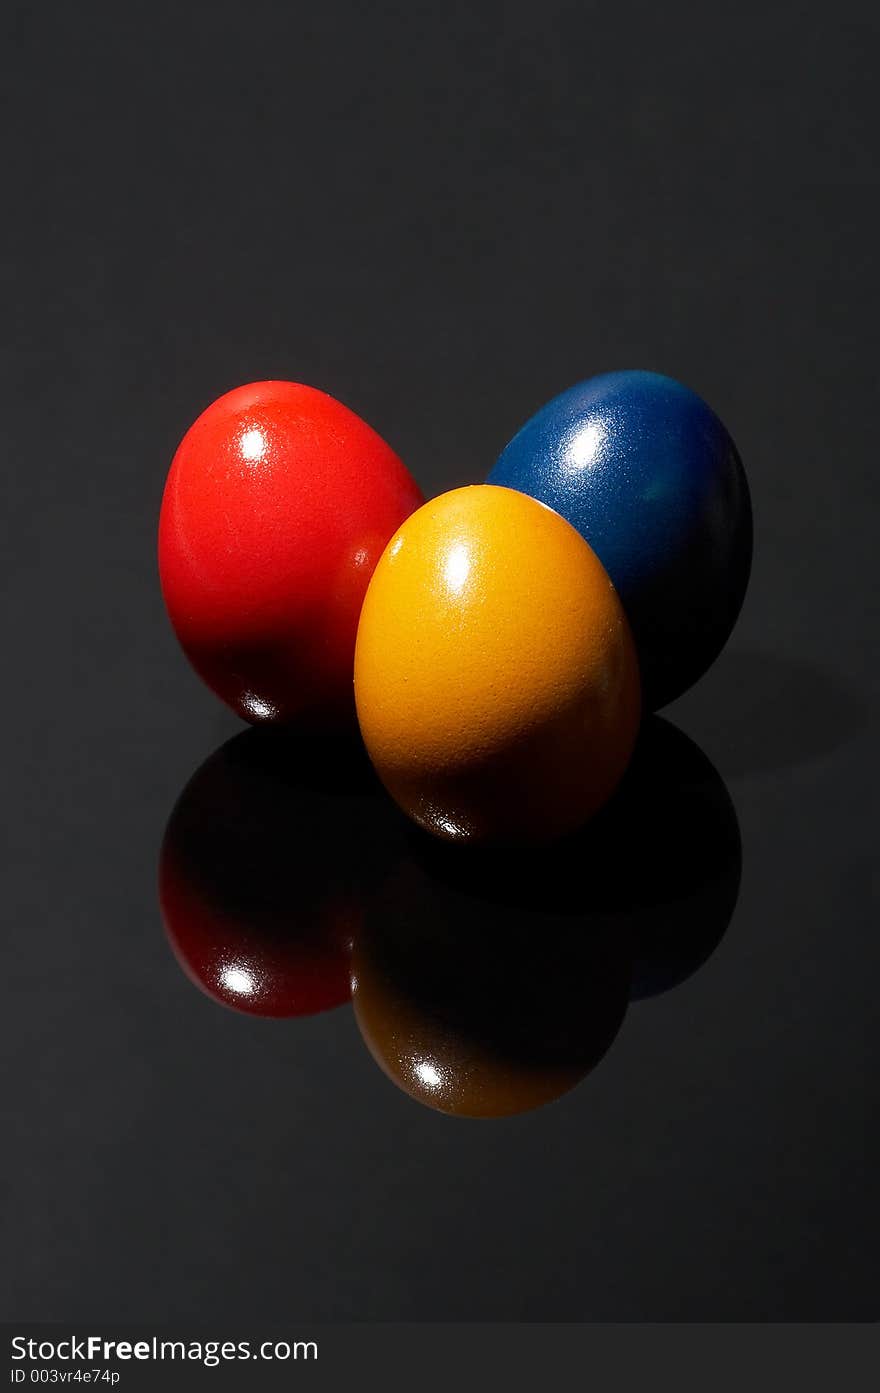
(442, 219)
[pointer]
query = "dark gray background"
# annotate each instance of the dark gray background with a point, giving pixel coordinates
(442, 215)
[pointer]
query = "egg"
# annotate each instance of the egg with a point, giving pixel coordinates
(650, 477)
(496, 680)
(277, 506)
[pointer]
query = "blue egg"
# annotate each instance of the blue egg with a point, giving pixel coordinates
(647, 473)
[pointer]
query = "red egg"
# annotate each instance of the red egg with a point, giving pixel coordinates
(278, 504)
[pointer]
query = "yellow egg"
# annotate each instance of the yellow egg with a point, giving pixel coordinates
(496, 680)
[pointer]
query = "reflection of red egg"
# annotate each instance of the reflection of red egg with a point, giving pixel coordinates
(278, 504)
(258, 893)
(264, 965)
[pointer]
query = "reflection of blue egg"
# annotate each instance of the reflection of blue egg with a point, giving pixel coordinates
(648, 474)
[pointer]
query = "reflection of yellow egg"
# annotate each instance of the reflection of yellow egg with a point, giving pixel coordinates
(496, 680)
